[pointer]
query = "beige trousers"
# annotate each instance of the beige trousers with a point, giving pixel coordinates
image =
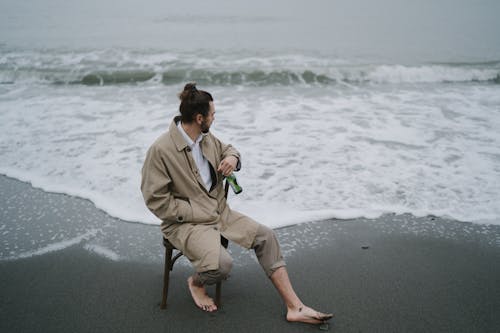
(266, 249)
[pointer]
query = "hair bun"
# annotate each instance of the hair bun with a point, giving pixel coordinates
(191, 86)
(189, 89)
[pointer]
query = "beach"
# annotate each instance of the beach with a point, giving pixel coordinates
(368, 134)
(396, 273)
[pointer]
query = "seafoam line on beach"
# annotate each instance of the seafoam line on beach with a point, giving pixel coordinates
(102, 251)
(55, 246)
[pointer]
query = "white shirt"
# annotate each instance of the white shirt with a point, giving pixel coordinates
(199, 159)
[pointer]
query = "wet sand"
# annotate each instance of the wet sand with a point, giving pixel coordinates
(397, 273)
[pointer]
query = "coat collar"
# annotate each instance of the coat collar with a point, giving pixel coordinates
(176, 135)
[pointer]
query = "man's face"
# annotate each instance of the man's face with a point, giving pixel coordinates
(208, 120)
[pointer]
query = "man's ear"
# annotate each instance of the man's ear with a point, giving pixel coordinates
(199, 118)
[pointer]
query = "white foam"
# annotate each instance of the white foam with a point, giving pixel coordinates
(309, 152)
(276, 215)
(102, 251)
(426, 74)
(54, 246)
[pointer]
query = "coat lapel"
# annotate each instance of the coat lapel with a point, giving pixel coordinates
(212, 160)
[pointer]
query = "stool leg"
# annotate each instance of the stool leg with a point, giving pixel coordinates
(166, 277)
(217, 294)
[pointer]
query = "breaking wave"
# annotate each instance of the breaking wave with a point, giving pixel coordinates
(379, 75)
(96, 68)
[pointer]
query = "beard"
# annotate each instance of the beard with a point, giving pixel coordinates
(205, 127)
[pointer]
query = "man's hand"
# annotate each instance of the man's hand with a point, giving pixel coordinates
(227, 166)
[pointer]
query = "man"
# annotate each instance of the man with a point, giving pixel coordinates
(182, 181)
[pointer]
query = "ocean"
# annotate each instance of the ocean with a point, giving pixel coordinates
(339, 108)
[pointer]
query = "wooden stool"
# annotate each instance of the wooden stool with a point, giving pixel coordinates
(169, 265)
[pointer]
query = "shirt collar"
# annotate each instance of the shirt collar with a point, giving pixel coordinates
(190, 142)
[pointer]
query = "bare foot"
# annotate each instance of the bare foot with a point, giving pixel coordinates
(200, 297)
(305, 314)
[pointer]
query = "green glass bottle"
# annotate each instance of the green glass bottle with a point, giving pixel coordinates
(231, 179)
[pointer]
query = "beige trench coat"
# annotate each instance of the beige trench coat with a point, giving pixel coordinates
(192, 217)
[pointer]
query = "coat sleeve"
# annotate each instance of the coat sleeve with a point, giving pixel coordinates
(228, 150)
(156, 190)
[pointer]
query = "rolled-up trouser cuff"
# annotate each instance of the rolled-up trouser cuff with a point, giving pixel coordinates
(210, 277)
(274, 267)
(216, 275)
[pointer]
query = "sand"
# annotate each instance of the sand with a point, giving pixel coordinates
(397, 273)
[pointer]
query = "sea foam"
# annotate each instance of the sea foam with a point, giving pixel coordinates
(417, 143)
(56, 246)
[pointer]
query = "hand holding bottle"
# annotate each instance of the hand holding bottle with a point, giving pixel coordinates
(227, 166)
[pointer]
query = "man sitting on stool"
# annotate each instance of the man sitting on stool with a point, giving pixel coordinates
(182, 181)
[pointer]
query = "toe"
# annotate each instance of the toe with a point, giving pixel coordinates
(324, 316)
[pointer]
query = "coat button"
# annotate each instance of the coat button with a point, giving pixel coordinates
(188, 149)
(180, 219)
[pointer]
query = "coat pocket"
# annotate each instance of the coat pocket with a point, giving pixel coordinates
(205, 210)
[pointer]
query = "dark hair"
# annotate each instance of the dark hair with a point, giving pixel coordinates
(193, 101)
